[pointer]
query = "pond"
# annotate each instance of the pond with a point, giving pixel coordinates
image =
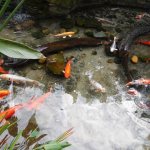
(110, 120)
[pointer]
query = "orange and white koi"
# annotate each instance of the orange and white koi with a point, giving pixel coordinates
(4, 93)
(20, 79)
(67, 71)
(139, 82)
(2, 70)
(65, 34)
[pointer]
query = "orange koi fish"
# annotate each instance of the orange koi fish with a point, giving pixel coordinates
(34, 104)
(67, 72)
(4, 93)
(10, 111)
(65, 34)
(144, 42)
(139, 82)
(3, 71)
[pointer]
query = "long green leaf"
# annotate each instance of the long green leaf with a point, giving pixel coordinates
(13, 143)
(3, 128)
(11, 15)
(18, 50)
(6, 147)
(6, 126)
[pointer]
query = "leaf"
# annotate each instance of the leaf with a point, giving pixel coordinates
(12, 145)
(3, 128)
(53, 146)
(6, 126)
(34, 134)
(18, 50)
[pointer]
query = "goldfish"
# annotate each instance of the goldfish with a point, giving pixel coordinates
(3, 71)
(34, 104)
(19, 79)
(144, 42)
(67, 71)
(65, 34)
(4, 93)
(10, 111)
(139, 82)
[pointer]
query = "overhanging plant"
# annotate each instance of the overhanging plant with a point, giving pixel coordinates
(11, 48)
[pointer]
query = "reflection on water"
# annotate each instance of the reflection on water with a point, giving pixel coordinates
(110, 125)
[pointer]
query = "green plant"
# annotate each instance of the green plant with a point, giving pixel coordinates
(11, 48)
(56, 144)
(3, 10)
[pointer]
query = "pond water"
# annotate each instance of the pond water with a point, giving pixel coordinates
(110, 120)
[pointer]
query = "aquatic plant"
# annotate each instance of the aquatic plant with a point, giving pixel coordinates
(11, 48)
(56, 144)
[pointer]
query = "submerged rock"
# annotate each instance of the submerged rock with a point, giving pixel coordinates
(88, 23)
(56, 63)
(67, 23)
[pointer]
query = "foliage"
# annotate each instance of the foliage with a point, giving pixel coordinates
(14, 49)
(3, 9)
(18, 50)
(56, 144)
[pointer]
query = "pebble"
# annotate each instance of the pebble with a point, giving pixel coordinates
(94, 52)
(110, 61)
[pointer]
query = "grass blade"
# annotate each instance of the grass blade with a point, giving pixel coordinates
(11, 15)
(3, 9)
(13, 143)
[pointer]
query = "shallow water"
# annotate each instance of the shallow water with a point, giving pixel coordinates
(101, 121)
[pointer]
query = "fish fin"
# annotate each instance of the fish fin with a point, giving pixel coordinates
(70, 35)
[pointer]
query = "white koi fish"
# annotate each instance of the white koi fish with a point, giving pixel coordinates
(97, 86)
(113, 46)
(19, 79)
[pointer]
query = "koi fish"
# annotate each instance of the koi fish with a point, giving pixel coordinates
(4, 93)
(133, 92)
(98, 87)
(20, 79)
(34, 104)
(144, 42)
(139, 82)
(65, 34)
(113, 46)
(67, 71)
(3, 71)
(10, 111)
(103, 20)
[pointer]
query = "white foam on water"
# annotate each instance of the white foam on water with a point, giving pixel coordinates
(97, 126)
